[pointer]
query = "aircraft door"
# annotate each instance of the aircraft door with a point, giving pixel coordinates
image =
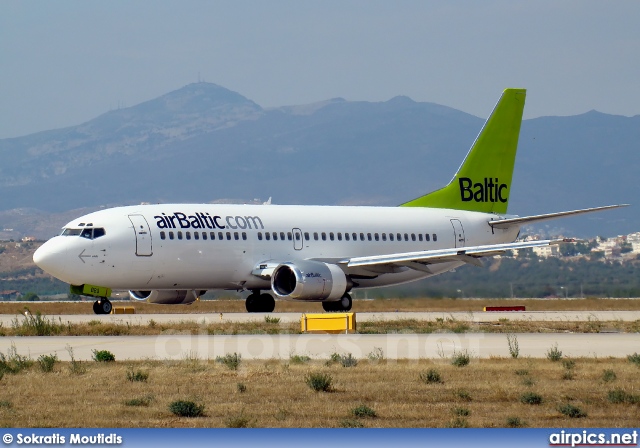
(458, 233)
(298, 242)
(143, 235)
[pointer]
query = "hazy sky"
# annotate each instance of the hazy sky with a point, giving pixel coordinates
(65, 62)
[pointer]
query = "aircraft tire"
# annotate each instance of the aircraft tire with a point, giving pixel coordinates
(345, 303)
(267, 303)
(105, 306)
(96, 308)
(329, 307)
(252, 304)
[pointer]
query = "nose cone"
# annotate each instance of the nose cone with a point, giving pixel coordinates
(50, 257)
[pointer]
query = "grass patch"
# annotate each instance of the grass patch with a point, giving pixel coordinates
(299, 359)
(554, 354)
(142, 401)
(240, 421)
(137, 376)
(461, 412)
(271, 320)
(463, 394)
(431, 376)
(231, 360)
(522, 372)
(376, 355)
(13, 362)
(350, 423)
(618, 396)
(531, 398)
(461, 359)
(515, 422)
(75, 367)
(241, 387)
(103, 356)
(634, 359)
(571, 411)
(319, 382)
(609, 375)
(36, 325)
(185, 408)
(458, 422)
(46, 362)
(363, 411)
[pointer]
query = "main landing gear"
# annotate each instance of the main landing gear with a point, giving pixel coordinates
(102, 306)
(260, 303)
(344, 304)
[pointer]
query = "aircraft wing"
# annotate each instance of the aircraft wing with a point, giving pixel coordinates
(422, 259)
(506, 223)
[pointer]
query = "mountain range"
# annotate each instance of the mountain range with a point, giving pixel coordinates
(205, 143)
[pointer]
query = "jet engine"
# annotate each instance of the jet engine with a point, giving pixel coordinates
(309, 280)
(166, 297)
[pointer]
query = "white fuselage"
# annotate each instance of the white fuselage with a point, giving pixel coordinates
(163, 247)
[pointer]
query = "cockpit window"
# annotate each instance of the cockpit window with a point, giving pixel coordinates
(88, 233)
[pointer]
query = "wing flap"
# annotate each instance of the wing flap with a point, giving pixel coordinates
(466, 254)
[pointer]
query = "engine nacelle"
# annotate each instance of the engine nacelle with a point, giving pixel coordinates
(166, 297)
(309, 280)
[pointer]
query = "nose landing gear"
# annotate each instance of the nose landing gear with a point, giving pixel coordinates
(102, 306)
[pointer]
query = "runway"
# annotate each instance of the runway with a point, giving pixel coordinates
(173, 345)
(320, 346)
(536, 316)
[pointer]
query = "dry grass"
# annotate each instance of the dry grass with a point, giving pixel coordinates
(276, 394)
(377, 305)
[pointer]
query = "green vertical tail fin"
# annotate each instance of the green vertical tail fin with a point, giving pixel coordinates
(483, 181)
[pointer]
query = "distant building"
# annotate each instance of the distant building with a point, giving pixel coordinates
(26, 239)
(10, 294)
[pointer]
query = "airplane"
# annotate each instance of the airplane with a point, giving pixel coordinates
(173, 253)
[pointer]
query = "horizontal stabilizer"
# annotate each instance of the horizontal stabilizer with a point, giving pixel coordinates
(509, 222)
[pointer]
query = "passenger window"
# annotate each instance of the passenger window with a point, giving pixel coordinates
(369, 236)
(86, 233)
(391, 237)
(282, 236)
(420, 237)
(267, 236)
(170, 235)
(196, 235)
(162, 235)
(331, 236)
(236, 236)
(406, 237)
(324, 236)
(275, 236)
(188, 235)
(339, 236)
(260, 236)
(315, 236)
(435, 237)
(97, 233)
(306, 236)
(346, 237)
(399, 235)
(361, 236)
(204, 235)
(220, 236)
(212, 235)
(426, 237)
(179, 235)
(384, 237)
(413, 237)
(229, 236)
(376, 236)
(244, 236)
(354, 235)
(290, 236)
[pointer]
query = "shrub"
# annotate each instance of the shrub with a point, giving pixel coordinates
(241, 387)
(232, 361)
(14, 363)
(137, 376)
(461, 359)
(271, 320)
(568, 364)
(299, 359)
(183, 408)
(348, 360)
(568, 375)
(75, 367)
(6, 404)
(461, 412)
(458, 422)
(239, 421)
(363, 411)
(142, 401)
(522, 372)
(571, 411)
(515, 422)
(103, 356)
(463, 394)
(531, 398)
(635, 359)
(553, 354)
(47, 362)
(617, 396)
(514, 347)
(609, 375)
(431, 376)
(320, 382)
(351, 423)
(376, 355)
